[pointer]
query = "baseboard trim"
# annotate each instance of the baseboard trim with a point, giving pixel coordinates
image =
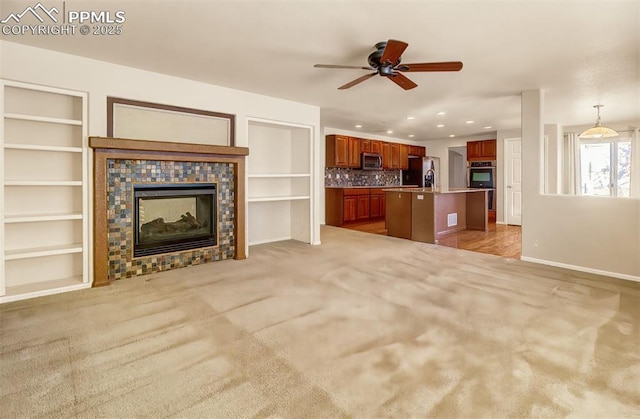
(581, 268)
(275, 239)
(501, 223)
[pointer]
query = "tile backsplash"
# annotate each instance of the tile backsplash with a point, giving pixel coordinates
(334, 176)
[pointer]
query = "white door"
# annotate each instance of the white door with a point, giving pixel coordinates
(513, 181)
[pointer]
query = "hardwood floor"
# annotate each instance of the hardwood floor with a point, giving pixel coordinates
(500, 240)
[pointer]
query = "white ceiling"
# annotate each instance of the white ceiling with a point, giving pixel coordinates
(580, 53)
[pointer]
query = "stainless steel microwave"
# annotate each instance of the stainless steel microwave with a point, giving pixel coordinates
(371, 161)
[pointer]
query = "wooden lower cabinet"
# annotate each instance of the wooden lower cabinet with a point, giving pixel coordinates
(345, 205)
(377, 198)
(350, 209)
(363, 207)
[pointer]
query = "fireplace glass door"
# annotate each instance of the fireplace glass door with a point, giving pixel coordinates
(172, 218)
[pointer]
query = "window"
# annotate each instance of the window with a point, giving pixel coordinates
(605, 167)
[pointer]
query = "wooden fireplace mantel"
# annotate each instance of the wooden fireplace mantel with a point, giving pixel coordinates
(120, 148)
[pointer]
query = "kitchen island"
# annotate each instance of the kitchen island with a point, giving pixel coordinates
(425, 215)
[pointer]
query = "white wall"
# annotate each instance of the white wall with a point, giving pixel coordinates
(101, 79)
(593, 234)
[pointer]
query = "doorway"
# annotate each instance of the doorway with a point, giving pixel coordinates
(458, 167)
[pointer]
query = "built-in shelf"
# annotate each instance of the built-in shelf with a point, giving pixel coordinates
(39, 289)
(43, 183)
(42, 119)
(42, 148)
(280, 175)
(278, 198)
(8, 219)
(44, 230)
(42, 251)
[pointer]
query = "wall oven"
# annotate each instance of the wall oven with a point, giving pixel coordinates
(482, 174)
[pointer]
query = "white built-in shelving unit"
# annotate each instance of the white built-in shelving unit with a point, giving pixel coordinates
(43, 198)
(280, 182)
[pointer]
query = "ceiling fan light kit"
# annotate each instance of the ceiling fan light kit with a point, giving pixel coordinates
(385, 62)
(598, 130)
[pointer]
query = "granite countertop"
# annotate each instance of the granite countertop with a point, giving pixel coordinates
(437, 190)
(371, 187)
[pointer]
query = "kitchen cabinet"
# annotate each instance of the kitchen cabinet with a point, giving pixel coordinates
(377, 203)
(404, 157)
(350, 208)
(417, 151)
(363, 207)
(354, 152)
(342, 151)
(395, 156)
(481, 150)
(344, 205)
(386, 155)
(365, 146)
(376, 146)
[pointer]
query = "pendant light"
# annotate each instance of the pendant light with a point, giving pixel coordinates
(598, 131)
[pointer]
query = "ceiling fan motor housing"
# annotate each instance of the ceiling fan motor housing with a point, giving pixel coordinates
(375, 56)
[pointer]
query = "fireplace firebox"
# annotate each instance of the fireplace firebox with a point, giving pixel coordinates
(174, 217)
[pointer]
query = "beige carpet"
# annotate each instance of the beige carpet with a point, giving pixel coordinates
(363, 326)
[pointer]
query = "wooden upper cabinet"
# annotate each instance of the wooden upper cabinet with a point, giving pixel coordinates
(489, 149)
(386, 155)
(342, 151)
(376, 146)
(395, 156)
(365, 146)
(404, 157)
(481, 150)
(337, 151)
(354, 152)
(415, 150)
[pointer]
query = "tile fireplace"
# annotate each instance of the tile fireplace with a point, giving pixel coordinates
(174, 217)
(161, 206)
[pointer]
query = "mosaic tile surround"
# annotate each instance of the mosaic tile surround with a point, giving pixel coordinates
(123, 174)
(334, 176)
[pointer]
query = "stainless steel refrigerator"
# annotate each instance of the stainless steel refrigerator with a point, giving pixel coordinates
(423, 172)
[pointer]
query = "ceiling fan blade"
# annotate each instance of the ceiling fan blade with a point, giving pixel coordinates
(444, 66)
(402, 81)
(341, 66)
(393, 51)
(357, 81)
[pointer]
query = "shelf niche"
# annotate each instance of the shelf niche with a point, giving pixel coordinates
(44, 235)
(280, 182)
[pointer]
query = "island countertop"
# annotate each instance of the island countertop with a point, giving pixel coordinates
(436, 191)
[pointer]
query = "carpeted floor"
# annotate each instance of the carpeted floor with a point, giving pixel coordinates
(362, 326)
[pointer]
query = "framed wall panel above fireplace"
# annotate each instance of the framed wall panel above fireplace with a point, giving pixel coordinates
(139, 120)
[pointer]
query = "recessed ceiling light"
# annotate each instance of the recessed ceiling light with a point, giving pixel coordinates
(410, 118)
(411, 135)
(440, 125)
(389, 132)
(358, 126)
(441, 113)
(451, 135)
(488, 127)
(469, 122)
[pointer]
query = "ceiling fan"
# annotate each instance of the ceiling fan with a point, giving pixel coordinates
(385, 60)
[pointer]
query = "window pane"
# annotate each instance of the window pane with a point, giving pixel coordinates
(595, 169)
(624, 168)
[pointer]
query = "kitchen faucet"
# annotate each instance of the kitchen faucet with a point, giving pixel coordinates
(430, 179)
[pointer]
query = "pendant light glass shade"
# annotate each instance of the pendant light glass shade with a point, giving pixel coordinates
(599, 131)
